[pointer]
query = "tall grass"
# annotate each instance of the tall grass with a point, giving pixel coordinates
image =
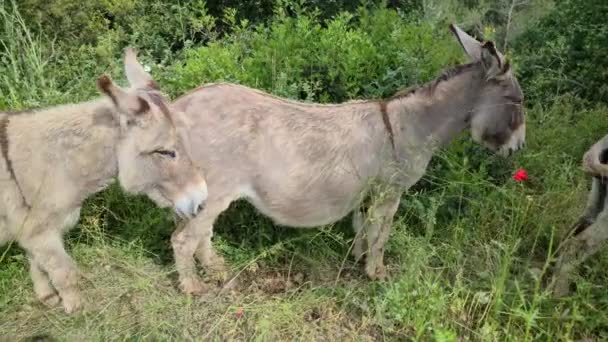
(24, 58)
(469, 247)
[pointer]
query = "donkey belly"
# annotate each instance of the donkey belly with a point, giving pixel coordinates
(312, 205)
(301, 213)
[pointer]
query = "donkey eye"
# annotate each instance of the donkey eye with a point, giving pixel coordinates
(166, 153)
(515, 100)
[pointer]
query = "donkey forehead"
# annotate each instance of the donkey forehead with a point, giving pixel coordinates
(158, 133)
(509, 86)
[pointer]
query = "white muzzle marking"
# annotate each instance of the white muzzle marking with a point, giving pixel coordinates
(516, 142)
(192, 201)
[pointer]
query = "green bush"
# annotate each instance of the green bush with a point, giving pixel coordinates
(566, 52)
(300, 58)
(158, 27)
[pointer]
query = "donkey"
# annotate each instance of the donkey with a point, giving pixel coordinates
(54, 158)
(306, 165)
(590, 233)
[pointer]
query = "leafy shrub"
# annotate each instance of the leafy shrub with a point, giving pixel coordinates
(340, 60)
(158, 27)
(566, 52)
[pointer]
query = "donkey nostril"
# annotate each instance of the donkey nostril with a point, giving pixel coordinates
(200, 208)
(604, 156)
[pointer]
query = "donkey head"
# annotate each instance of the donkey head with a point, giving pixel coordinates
(497, 119)
(152, 157)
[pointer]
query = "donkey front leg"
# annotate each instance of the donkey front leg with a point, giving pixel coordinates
(379, 220)
(209, 259)
(42, 284)
(49, 258)
(186, 241)
(595, 204)
(577, 250)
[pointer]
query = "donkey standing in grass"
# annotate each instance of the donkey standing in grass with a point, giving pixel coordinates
(307, 165)
(591, 231)
(53, 159)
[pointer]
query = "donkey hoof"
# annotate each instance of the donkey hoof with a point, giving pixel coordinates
(51, 299)
(376, 272)
(192, 286)
(72, 304)
(381, 273)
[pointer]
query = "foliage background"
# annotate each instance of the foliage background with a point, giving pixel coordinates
(469, 246)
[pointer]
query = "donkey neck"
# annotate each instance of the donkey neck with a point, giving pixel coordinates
(437, 112)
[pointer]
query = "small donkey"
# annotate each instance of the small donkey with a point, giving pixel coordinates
(591, 231)
(53, 159)
(307, 165)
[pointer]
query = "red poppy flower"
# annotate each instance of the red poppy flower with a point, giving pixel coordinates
(239, 312)
(520, 175)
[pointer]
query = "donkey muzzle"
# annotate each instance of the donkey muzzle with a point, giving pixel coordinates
(191, 201)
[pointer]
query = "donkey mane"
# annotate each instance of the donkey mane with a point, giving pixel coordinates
(430, 87)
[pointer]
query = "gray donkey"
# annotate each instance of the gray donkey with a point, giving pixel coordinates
(52, 159)
(590, 233)
(306, 165)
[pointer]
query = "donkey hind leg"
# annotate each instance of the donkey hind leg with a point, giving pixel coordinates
(359, 244)
(379, 220)
(42, 285)
(577, 250)
(197, 232)
(49, 255)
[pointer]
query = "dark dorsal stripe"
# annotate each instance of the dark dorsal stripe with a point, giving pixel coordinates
(4, 144)
(387, 125)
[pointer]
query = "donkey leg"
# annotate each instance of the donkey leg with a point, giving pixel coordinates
(207, 256)
(595, 205)
(49, 254)
(42, 285)
(379, 228)
(577, 250)
(359, 244)
(187, 240)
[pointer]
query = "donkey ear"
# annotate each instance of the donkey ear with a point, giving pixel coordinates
(470, 45)
(492, 60)
(127, 104)
(137, 76)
